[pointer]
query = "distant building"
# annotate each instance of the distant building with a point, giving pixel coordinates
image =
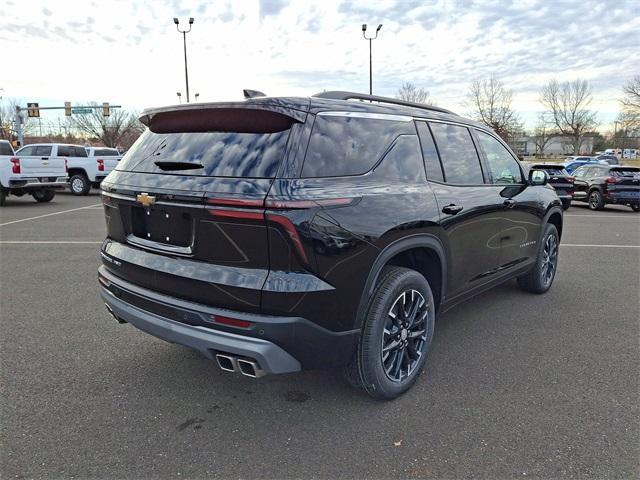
(560, 145)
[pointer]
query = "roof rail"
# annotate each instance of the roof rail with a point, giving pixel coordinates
(340, 95)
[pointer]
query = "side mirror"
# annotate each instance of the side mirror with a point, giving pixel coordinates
(538, 177)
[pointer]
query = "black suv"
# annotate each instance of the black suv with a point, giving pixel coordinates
(602, 184)
(280, 234)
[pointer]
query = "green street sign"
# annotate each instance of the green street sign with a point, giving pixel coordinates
(82, 111)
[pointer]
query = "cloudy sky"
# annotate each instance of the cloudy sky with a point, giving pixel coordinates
(129, 53)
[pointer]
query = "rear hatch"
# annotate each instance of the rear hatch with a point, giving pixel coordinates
(184, 206)
(624, 182)
(559, 178)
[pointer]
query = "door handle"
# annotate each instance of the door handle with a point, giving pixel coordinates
(452, 209)
(509, 203)
(44, 158)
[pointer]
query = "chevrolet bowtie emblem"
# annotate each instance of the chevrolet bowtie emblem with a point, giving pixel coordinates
(145, 199)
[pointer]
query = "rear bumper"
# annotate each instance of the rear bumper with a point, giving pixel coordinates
(35, 183)
(279, 344)
(624, 198)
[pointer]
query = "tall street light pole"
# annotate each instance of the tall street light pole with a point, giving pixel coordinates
(364, 34)
(184, 40)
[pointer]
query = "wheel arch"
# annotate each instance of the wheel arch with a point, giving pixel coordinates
(421, 252)
(555, 217)
(77, 171)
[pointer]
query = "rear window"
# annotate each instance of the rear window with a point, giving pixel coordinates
(344, 144)
(551, 169)
(222, 154)
(5, 148)
(105, 152)
(71, 151)
(625, 172)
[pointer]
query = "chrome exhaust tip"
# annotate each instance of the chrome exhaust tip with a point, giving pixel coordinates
(227, 362)
(250, 368)
(110, 310)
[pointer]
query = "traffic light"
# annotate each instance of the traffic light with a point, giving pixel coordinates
(33, 110)
(105, 109)
(67, 109)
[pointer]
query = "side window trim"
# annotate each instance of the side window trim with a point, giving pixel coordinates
(435, 145)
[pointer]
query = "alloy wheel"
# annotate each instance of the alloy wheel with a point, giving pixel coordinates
(549, 259)
(405, 335)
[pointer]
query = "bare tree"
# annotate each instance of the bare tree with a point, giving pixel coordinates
(115, 130)
(567, 105)
(410, 93)
(490, 102)
(543, 133)
(631, 100)
(8, 119)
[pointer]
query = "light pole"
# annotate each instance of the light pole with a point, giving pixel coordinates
(615, 133)
(364, 34)
(184, 40)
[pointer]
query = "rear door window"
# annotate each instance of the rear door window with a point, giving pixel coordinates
(65, 151)
(429, 153)
(624, 172)
(79, 151)
(459, 156)
(348, 143)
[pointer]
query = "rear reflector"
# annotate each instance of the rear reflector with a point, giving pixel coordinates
(232, 322)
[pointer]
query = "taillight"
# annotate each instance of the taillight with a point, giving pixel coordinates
(612, 180)
(15, 165)
(100, 165)
(571, 179)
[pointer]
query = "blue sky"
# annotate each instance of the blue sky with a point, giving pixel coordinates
(130, 53)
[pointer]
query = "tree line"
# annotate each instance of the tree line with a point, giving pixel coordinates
(565, 109)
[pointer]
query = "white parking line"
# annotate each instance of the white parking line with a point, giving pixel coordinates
(49, 214)
(621, 215)
(48, 242)
(598, 246)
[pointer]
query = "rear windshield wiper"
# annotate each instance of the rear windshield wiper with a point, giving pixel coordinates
(172, 165)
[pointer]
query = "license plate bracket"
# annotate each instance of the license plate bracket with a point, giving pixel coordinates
(162, 225)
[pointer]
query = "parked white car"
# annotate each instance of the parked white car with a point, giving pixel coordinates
(84, 171)
(38, 175)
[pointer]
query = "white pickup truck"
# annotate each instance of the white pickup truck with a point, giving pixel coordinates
(38, 175)
(84, 171)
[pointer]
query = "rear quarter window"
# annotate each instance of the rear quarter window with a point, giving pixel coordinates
(5, 148)
(348, 144)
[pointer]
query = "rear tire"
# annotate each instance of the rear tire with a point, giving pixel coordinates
(79, 184)
(566, 204)
(635, 208)
(396, 334)
(4, 193)
(596, 202)
(43, 196)
(540, 278)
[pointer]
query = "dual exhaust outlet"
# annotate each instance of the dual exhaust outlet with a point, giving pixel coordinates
(246, 366)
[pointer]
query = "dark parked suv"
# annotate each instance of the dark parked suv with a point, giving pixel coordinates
(280, 234)
(605, 184)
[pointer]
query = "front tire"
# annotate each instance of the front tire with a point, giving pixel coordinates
(540, 278)
(596, 202)
(43, 196)
(396, 334)
(79, 184)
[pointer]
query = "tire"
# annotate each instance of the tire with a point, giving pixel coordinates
(566, 204)
(596, 202)
(43, 196)
(392, 323)
(79, 184)
(4, 193)
(540, 278)
(635, 208)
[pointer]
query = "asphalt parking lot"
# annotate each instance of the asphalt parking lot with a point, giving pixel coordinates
(516, 385)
